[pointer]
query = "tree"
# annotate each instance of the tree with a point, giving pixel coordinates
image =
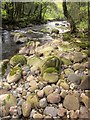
(69, 18)
(88, 19)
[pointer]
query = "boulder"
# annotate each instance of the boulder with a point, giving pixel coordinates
(20, 38)
(18, 59)
(50, 77)
(71, 102)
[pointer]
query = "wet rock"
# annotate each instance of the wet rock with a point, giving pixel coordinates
(52, 111)
(20, 38)
(47, 90)
(26, 108)
(43, 103)
(56, 31)
(78, 57)
(74, 78)
(71, 102)
(18, 59)
(53, 98)
(61, 111)
(85, 83)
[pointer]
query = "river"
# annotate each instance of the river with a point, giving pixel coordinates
(9, 47)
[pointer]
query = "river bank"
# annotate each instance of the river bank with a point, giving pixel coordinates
(47, 78)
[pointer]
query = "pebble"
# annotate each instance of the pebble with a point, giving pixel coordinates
(53, 98)
(43, 103)
(61, 111)
(38, 116)
(47, 90)
(26, 86)
(40, 93)
(52, 111)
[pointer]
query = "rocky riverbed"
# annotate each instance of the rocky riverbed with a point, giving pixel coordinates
(46, 80)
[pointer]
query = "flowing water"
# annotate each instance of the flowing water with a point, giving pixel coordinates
(9, 47)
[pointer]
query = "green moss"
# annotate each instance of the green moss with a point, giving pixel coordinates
(54, 30)
(66, 61)
(3, 66)
(18, 59)
(52, 61)
(50, 70)
(14, 70)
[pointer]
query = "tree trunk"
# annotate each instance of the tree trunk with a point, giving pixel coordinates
(69, 18)
(88, 19)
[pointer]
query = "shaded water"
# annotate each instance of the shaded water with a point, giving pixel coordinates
(9, 47)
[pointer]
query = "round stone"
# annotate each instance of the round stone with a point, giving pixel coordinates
(53, 98)
(43, 103)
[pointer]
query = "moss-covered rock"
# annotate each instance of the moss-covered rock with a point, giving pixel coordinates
(52, 61)
(6, 101)
(34, 62)
(20, 38)
(66, 61)
(54, 30)
(14, 75)
(33, 100)
(50, 75)
(18, 59)
(3, 66)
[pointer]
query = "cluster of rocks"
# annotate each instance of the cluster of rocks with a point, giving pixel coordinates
(45, 81)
